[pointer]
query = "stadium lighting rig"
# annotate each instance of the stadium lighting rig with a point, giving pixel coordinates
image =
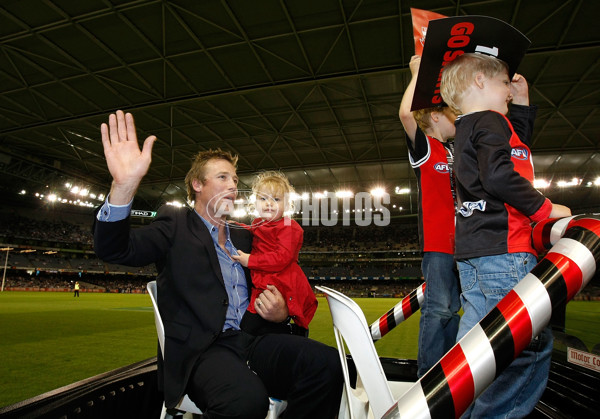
(565, 184)
(377, 191)
(541, 183)
(344, 194)
(69, 194)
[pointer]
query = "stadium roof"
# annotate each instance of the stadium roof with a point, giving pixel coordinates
(311, 87)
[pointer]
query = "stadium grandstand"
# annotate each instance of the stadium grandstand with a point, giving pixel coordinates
(51, 253)
(51, 249)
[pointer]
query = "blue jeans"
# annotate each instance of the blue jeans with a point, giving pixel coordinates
(439, 312)
(515, 392)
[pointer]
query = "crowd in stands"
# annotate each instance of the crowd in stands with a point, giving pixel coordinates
(364, 270)
(68, 262)
(325, 245)
(371, 288)
(124, 283)
(355, 238)
(338, 255)
(21, 280)
(89, 263)
(14, 226)
(137, 284)
(94, 282)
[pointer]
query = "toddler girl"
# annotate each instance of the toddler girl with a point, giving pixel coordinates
(274, 257)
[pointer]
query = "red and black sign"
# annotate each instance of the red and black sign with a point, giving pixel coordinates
(451, 37)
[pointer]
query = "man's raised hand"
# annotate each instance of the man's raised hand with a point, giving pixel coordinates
(127, 164)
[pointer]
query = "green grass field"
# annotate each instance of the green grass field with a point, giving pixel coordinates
(49, 340)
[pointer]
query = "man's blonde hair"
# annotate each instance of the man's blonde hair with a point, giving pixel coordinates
(459, 74)
(198, 172)
(423, 116)
(274, 182)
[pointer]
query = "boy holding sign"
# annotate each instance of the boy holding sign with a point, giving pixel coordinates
(430, 155)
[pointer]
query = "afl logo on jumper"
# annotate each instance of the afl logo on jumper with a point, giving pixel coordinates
(520, 153)
(441, 167)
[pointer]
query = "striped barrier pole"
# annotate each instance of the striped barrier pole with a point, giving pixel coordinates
(546, 233)
(448, 389)
(397, 314)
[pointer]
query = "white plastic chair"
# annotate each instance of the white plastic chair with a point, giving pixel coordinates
(276, 406)
(373, 394)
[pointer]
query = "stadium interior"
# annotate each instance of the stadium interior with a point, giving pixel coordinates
(311, 88)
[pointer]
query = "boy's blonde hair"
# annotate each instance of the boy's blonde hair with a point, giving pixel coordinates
(197, 171)
(459, 74)
(274, 183)
(423, 116)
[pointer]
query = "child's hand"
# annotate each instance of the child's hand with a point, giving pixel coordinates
(415, 62)
(559, 211)
(242, 258)
(519, 90)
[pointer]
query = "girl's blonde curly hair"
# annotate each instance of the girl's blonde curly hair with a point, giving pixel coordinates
(272, 182)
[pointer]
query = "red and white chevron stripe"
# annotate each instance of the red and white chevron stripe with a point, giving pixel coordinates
(448, 389)
(397, 314)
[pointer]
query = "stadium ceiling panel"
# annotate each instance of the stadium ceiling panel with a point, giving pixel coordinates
(310, 87)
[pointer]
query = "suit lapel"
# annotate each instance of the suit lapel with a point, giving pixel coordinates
(199, 229)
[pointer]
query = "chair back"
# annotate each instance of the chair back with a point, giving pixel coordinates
(160, 330)
(350, 326)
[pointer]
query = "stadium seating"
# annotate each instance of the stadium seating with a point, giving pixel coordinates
(276, 407)
(373, 395)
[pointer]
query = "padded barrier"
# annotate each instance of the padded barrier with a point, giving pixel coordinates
(449, 388)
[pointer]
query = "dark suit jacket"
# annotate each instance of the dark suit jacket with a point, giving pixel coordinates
(191, 293)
